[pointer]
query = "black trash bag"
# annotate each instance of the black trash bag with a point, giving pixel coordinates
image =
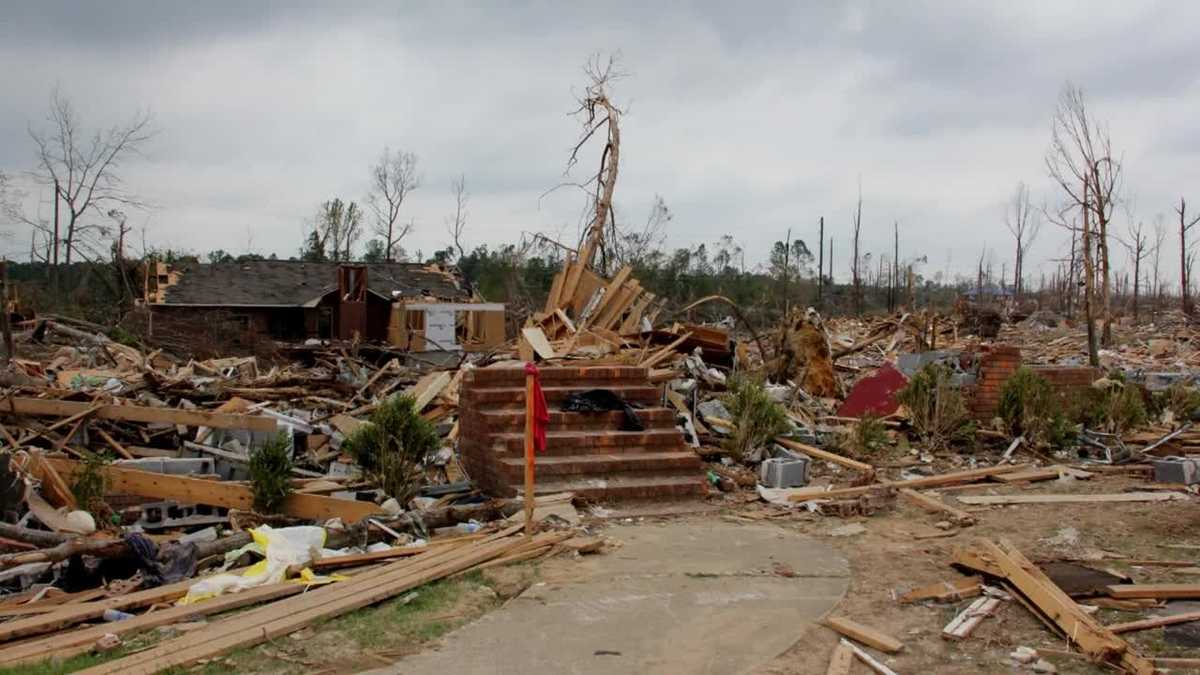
(603, 400)
(162, 564)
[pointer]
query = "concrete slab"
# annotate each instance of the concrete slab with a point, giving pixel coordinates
(696, 596)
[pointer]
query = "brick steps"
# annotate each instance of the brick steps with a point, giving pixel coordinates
(507, 396)
(586, 453)
(591, 465)
(513, 419)
(568, 442)
(625, 486)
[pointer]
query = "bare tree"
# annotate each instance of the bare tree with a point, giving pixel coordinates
(1160, 236)
(1137, 244)
(1024, 224)
(458, 224)
(856, 259)
(598, 113)
(83, 169)
(1185, 267)
(1081, 161)
(393, 177)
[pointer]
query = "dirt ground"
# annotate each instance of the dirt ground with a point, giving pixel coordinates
(902, 549)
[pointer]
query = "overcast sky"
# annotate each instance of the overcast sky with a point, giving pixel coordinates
(748, 118)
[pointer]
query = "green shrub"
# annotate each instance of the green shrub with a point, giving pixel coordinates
(1111, 405)
(936, 407)
(1030, 407)
(1183, 401)
(757, 418)
(271, 474)
(90, 483)
(392, 447)
(867, 437)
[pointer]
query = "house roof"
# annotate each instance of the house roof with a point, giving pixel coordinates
(290, 283)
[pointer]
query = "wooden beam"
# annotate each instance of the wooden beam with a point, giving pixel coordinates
(934, 505)
(864, 634)
(1156, 591)
(217, 493)
(1155, 622)
(1073, 498)
(1101, 644)
(833, 458)
(613, 287)
(537, 340)
(18, 405)
(959, 589)
(966, 476)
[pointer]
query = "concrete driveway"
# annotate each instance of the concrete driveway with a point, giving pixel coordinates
(686, 596)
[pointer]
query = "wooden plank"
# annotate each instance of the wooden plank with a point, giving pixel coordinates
(942, 591)
(288, 615)
(868, 660)
(961, 626)
(625, 297)
(53, 485)
(67, 644)
(934, 505)
(665, 352)
(218, 493)
(537, 340)
(135, 413)
(864, 634)
(610, 290)
(966, 476)
(427, 388)
(840, 660)
(336, 562)
(1043, 473)
(556, 288)
(1155, 622)
(1101, 644)
(1156, 591)
(830, 457)
(982, 500)
(112, 443)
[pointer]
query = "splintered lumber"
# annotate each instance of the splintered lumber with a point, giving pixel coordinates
(19, 405)
(537, 340)
(961, 626)
(217, 493)
(864, 634)
(935, 505)
(335, 562)
(290, 614)
(841, 659)
(868, 660)
(959, 589)
(1155, 622)
(427, 388)
(1156, 591)
(664, 353)
(1040, 474)
(1099, 643)
(833, 458)
(67, 644)
(87, 611)
(966, 476)
(1073, 499)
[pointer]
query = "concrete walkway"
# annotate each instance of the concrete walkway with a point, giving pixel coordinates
(692, 596)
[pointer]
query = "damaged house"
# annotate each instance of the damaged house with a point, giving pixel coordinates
(408, 305)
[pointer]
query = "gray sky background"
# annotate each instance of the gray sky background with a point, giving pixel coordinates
(748, 118)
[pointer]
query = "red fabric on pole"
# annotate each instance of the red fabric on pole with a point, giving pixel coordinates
(541, 415)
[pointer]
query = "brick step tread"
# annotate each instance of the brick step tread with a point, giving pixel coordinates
(591, 438)
(510, 395)
(580, 374)
(610, 463)
(557, 415)
(501, 451)
(613, 488)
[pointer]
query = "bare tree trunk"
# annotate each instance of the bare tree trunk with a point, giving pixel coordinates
(1089, 271)
(821, 264)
